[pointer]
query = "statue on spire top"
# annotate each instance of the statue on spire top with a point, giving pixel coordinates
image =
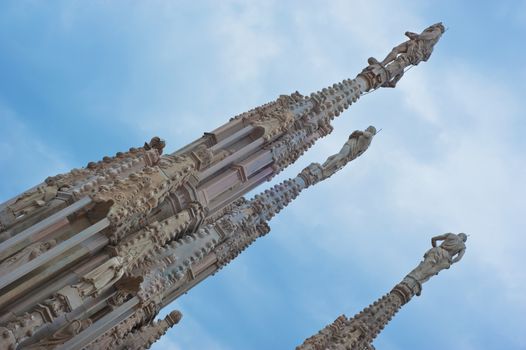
(418, 48)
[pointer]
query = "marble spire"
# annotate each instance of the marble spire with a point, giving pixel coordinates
(358, 333)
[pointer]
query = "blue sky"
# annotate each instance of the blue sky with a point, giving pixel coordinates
(81, 80)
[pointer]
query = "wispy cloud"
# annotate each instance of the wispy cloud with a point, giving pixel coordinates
(25, 158)
(248, 38)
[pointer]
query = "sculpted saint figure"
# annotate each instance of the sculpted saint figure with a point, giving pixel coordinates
(32, 200)
(101, 277)
(28, 253)
(358, 143)
(415, 50)
(441, 257)
(62, 335)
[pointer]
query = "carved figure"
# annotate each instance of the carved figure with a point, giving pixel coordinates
(62, 335)
(358, 143)
(32, 200)
(418, 48)
(101, 277)
(438, 258)
(25, 255)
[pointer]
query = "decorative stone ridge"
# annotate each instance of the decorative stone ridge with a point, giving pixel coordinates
(75, 184)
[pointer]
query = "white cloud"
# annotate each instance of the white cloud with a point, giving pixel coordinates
(247, 38)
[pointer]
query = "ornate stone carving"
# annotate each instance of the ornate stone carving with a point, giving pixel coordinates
(140, 317)
(23, 327)
(174, 261)
(323, 339)
(95, 174)
(134, 197)
(275, 117)
(135, 248)
(27, 254)
(101, 277)
(418, 48)
(230, 234)
(240, 240)
(358, 332)
(32, 200)
(155, 143)
(289, 148)
(62, 335)
(358, 143)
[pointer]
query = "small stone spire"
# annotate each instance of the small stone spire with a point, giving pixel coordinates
(358, 332)
(148, 334)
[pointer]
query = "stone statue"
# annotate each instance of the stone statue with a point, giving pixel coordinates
(441, 257)
(415, 50)
(101, 277)
(32, 200)
(155, 143)
(62, 335)
(358, 143)
(143, 337)
(27, 254)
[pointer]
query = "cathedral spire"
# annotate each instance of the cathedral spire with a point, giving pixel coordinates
(358, 333)
(109, 244)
